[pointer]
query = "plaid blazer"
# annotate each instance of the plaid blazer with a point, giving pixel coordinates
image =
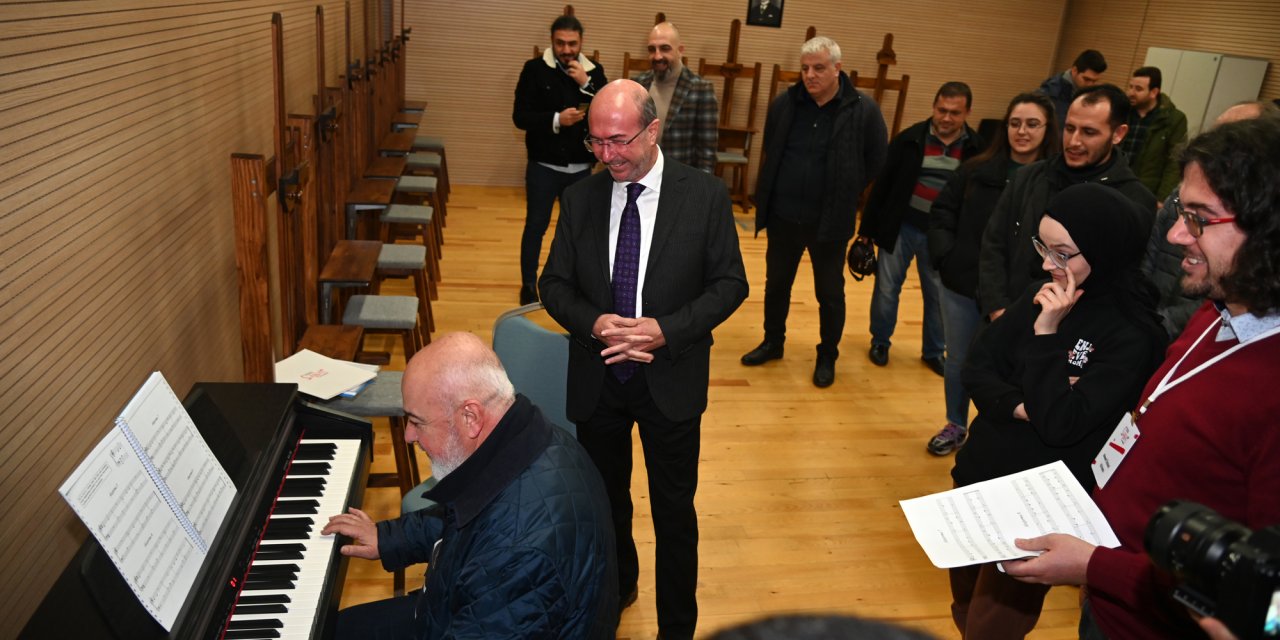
(692, 126)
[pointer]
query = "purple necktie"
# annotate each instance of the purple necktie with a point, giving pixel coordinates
(626, 271)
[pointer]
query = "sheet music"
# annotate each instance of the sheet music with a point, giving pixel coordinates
(184, 460)
(153, 495)
(115, 497)
(978, 523)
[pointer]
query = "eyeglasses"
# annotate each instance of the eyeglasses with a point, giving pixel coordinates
(597, 144)
(1195, 222)
(1058, 258)
(1031, 125)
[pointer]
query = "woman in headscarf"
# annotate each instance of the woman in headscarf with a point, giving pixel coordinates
(1053, 376)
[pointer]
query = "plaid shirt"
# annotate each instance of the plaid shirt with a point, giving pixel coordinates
(692, 128)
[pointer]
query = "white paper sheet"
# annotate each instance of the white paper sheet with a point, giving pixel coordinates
(978, 523)
(321, 376)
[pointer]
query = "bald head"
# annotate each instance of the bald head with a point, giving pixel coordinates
(457, 367)
(1238, 112)
(624, 125)
(665, 50)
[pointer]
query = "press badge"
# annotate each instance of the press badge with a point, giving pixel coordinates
(1113, 452)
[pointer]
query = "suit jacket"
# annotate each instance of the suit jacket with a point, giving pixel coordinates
(694, 280)
(692, 127)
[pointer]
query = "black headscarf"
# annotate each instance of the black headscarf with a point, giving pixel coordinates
(1107, 227)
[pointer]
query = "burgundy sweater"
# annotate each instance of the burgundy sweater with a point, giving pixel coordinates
(1213, 439)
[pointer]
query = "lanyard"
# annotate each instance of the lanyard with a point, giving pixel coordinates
(1165, 384)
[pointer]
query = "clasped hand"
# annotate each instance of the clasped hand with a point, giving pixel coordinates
(627, 338)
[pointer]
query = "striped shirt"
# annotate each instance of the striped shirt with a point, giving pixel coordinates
(939, 163)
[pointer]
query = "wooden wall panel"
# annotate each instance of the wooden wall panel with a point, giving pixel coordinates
(465, 57)
(1123, 31)
(117, 121)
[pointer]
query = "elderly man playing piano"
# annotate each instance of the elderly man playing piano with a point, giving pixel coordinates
(520, 543)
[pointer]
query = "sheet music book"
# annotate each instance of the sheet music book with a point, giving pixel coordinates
(978, 523)
(154, 495)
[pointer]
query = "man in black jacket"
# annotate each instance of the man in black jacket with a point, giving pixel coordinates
(1095, 125)
(823, 140)
(896, 218)
(551, 106)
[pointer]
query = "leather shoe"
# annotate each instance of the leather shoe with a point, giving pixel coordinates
(936, 364)
(824, 372)
(528, 294)
(879, 355)
(765, 352)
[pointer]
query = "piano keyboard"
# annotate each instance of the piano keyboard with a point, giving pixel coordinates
(282, 592)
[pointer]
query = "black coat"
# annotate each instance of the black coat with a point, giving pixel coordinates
(544, 90)
(1111, 352)
(854, 156)
(891, 194)
(958, 218)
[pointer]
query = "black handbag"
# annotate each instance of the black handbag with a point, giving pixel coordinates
(862, 259)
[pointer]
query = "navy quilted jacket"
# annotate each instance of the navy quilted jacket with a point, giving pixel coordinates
(525, 544)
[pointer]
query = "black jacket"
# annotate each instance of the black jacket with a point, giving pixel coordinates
(543, 90)
(1008, 262)
(891, 193)
(855, 155)
(1163, 266)
(526, 545)
(1110, 352)
(958, 218)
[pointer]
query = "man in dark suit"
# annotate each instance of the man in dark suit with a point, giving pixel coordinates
(686, 102)
(644, 264)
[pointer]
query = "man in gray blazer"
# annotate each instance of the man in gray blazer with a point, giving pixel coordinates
(644, 264)
(686, 102)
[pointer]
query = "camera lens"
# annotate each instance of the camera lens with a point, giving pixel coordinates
(1191, 541)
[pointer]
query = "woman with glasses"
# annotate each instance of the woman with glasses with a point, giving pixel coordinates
(956, 223)
(1053, 376)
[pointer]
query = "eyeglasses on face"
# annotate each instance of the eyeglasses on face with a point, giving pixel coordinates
(1194, 221)
(597, 144)
(1058, 258)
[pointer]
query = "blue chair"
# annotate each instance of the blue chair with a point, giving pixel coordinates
(537, 362)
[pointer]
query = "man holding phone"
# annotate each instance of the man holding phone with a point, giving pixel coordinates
(552, 97)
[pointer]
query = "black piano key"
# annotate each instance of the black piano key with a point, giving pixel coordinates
(250, 634)
(256, 624)
(259, 609)
(274, 578)
(277, 555)
(309, 469)
(284, 535)
(272, 598)
(296, 507)
(281, 546)
(295, 491)
(268, 585)
(269, 569)
(316, 451)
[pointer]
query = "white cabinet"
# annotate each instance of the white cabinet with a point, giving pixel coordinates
(1203, 84)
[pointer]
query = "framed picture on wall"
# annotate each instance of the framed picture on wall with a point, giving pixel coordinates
(764, 13)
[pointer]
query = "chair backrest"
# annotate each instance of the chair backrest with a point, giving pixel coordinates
(536, 360)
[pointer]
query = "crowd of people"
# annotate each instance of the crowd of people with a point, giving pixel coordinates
(1086, 272)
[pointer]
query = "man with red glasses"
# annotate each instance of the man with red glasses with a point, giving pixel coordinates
(1207, 422)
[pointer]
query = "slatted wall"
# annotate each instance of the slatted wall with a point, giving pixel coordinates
(117, 120)
(1123, 31)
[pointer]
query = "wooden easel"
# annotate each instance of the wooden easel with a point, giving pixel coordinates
(879, 84)
(734, 146)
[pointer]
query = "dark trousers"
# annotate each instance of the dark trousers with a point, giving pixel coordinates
(391, 619)
(671, 458)
(542, 187)
(787, 243)
(989, 604)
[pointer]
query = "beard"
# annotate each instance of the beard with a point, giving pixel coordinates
(450, 458)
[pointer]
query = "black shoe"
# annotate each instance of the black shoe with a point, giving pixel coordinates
(528, 294)
(765, 352)
(937, 365)
(879, 355)
(628, 599)
(824, 372)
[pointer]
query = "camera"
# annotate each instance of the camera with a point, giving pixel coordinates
(1223, 569)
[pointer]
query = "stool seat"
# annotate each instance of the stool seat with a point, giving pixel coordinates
(423, 160)
(434, 143)
(380, 399)
(402, 256)
(730, 157)
(407, 214)
(416, 184)
(382, 312)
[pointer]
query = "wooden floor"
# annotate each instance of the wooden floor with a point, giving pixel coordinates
(799, 486)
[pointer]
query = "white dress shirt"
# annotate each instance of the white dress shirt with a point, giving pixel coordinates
(648, 205)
